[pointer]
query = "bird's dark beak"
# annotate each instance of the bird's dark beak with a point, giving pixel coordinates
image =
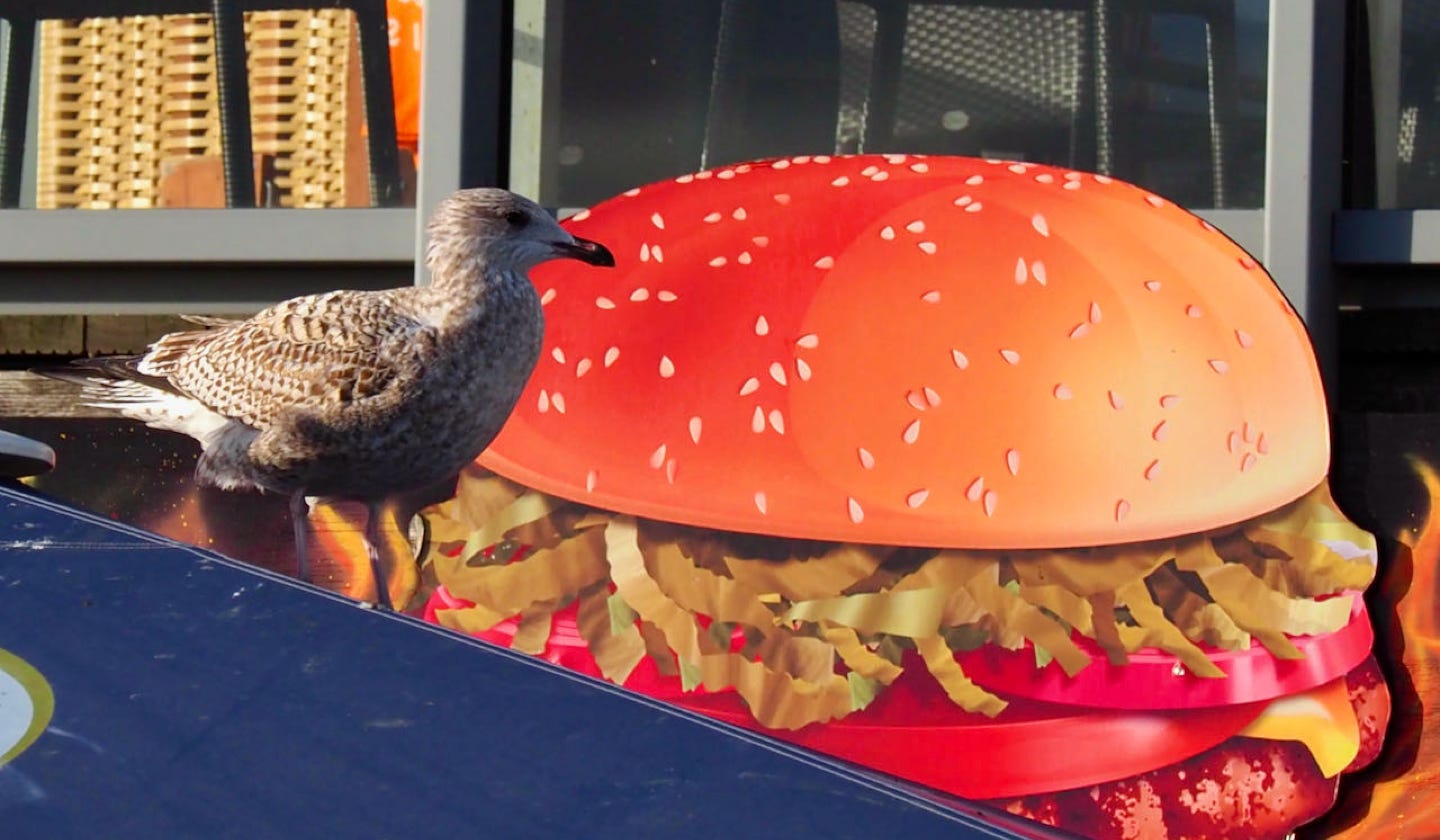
(587, 252)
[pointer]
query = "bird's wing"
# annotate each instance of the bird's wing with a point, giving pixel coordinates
(308, 352)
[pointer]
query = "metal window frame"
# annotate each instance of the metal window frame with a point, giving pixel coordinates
(234, 260)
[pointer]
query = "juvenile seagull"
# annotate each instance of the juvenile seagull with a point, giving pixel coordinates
(358, 395)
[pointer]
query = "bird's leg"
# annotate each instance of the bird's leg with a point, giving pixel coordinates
(372, 545)
(299, 519)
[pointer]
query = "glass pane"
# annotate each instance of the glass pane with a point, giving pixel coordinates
(1406, 89)
(127, 112)
(1167, 93)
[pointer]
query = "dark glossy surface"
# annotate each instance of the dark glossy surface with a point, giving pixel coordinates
(196, 698)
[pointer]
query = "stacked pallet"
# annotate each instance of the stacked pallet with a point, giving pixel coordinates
(127, 102)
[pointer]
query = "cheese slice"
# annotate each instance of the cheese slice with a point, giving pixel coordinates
(1322, 719)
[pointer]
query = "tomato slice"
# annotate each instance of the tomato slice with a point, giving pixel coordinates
(913, 731)
(1153, 679)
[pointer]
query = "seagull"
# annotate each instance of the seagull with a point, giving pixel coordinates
(357, 395)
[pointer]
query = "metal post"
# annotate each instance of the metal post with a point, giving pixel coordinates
(233, 86)
(15, 106)
(379, 98)
(442, 80)
(1303, 148)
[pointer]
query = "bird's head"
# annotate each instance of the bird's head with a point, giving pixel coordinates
(502, 231)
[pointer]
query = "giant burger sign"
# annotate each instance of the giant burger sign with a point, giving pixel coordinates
(1006, 479)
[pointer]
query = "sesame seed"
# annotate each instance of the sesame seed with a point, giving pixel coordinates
(1071, 185)
(932, 296)
(657, 220)
(644, 252)
(777, 421)
(695, 427)
(744, 258)
(1037, 270)
(1045, 178)
(590, 479)
(802, 370)
(1012, 461)
(1010, 356)
(1262, 445)
(1154, 201)
(656, 253)
(1158, 433)
(1122, 510)
(1094, 312)
(1072, 176)
(1207, 226)
(557, 399)
(781, 198)
(1021, 272)
(632, 192)
(931, 396)
(739, 214)
(1152, 285)
(604, 303)
(685, 179)
(927, 247)
(1247, 462)
(760, 241)
(917, 498)
(1245, 340)
(976, 489)
(912, 432)
(757, 420)
(920, 167)
(542, 405)
(866, 459)
(760, 503)
(809, 341)
(725, 174)
(821, 159)
(667, 367)
(1169, 401)
(611, 355)
(1232, 441)
(1248, 263)
(991, 499)
(666, 296)
(640, 294)
(780, 164)
(869, 170)
(887, 233)
(1194, 311)
(777, 373)
(963, 200)
(857, 514)
(581, 216)
(1247, 434)
(895, 159)
(762, 326)
(670, 469)
(960, 360)
(880, 176)
(700, 176)
(717, 262)
(1016, 168)
(801, 158)
(841, 181)
(973, 207)
(1062, 392)
(751, 386)
(712, 218)
(916, 226)
(975, 179)
(547, 297)
(1117, 402)
(1220, 366)
(582, 367)
(1104, 179)
(1152, 470)
(915, 400)
(825, 262)
(558, 355)
(657, 458)
(1041, 226)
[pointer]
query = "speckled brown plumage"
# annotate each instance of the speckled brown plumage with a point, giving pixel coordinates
(360, 394)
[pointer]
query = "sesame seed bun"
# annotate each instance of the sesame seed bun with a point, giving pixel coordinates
(941, 352)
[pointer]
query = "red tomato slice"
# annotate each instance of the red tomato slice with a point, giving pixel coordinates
(1153, 679)
(913, 731)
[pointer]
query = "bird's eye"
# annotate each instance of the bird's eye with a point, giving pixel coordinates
(516, 218)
